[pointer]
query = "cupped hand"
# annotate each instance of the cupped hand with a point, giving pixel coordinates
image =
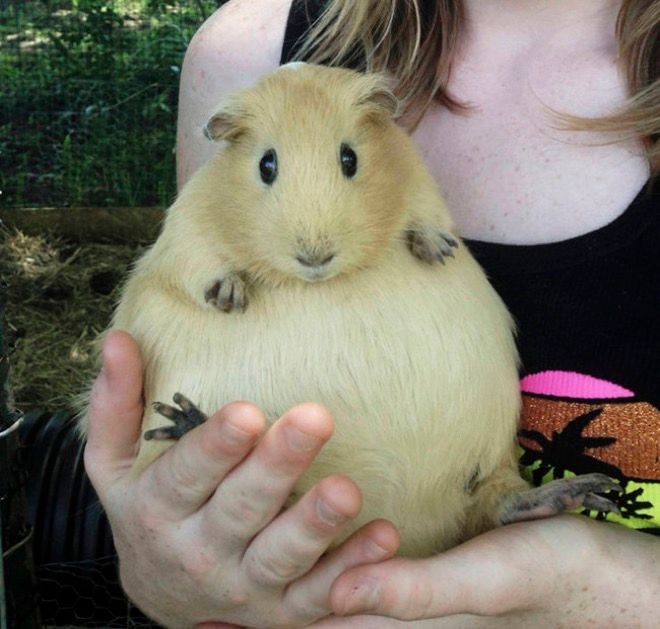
(561, 571)
(201, 534)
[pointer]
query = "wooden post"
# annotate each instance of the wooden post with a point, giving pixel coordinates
(88, 224)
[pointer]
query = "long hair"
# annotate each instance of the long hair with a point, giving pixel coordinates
(416, 41)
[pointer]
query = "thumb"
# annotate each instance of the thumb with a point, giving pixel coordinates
(115, 412)
(484, 576)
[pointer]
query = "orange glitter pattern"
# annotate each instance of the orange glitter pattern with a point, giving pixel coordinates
(634, 425)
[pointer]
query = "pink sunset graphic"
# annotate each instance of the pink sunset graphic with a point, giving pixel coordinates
(576, 422)
(569, 384)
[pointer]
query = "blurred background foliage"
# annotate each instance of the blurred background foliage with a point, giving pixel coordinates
(88, 95)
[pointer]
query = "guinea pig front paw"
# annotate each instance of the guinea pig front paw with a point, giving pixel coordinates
(431, 245)
(227, 294)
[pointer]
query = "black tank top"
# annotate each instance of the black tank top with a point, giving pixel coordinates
(587, 311)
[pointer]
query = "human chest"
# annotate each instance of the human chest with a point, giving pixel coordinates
(508, 171)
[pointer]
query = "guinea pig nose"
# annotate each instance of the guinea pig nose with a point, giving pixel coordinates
(314, 260)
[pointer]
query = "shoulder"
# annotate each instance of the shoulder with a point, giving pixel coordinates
(238, 44)
(245, 36)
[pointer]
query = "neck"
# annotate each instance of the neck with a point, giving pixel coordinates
(589, 22)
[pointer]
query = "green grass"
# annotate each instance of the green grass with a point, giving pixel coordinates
(88, 95)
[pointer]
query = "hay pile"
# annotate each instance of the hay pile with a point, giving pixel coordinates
(60, 297)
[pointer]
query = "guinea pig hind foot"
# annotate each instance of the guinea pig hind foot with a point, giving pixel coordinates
(560, 495)
(431, 245)
(185, 419)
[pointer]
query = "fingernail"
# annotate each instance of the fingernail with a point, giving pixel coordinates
(328, 514)
(300, 441)
(362, 597)
(235, 435)
(374, 551)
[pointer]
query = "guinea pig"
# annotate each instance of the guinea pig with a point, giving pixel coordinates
(313, 259)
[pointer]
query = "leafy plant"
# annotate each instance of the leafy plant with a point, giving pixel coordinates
(89, 94)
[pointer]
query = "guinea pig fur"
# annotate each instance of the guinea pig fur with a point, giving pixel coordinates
(304, 262)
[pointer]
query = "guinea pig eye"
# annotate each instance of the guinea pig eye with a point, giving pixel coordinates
(268, 166)
(348, 160)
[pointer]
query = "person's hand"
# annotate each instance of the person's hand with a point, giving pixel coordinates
(563, 571)
(201, 534)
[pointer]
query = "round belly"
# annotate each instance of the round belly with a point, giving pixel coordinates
(416, 366)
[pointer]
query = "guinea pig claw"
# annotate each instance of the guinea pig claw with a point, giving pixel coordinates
(594, 502)
(185, 420)
(431, 245)
(561, 495)
(227, 294)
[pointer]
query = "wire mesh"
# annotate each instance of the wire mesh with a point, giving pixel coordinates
(88, 95)
(77, 566)
(18, 609)
(86, 594)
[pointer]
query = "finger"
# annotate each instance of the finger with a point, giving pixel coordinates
(115, 412)
(308, 597)
(255, 492)
(186, 476)
(480, 577)
(293, 542)
(363, 622)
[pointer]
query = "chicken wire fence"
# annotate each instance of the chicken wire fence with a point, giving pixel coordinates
(86, 594)
(76, 564)
(60, 565)
(88, 95)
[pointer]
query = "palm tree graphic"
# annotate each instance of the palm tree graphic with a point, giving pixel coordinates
(566, 450)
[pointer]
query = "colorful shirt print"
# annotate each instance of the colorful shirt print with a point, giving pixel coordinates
(577, 424)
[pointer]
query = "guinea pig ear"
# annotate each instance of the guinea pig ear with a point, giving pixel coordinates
(379, 97)
(225, 124)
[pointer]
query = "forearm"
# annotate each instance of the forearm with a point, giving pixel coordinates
(618, 586)
(562, 571)
(626, 584)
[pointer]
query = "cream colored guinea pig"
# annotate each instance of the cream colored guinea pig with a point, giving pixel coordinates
(304, 262)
